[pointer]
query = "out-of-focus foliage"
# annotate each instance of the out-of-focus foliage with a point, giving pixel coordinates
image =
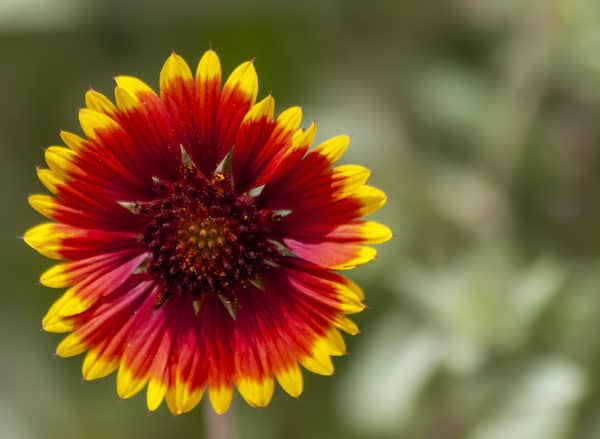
(479, 118)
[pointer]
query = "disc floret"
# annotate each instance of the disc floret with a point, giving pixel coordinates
(204, 237)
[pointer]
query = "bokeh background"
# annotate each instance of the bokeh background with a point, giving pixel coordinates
(479, 118)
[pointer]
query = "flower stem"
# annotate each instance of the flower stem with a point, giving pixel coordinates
(218, 426)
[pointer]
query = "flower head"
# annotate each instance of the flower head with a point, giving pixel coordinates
(199, 237)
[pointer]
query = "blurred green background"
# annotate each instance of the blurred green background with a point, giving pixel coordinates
(479, 118)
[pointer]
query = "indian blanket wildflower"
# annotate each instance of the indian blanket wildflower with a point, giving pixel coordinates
(199, 238)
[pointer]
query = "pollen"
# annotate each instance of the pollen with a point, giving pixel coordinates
(205, 238)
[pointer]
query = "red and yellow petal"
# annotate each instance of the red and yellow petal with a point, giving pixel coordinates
(262, 143)
(208, 69)
(134, 85)
(215, 346)
(242, 80)
(290, 379)
(257, 392)
(155, 394)
(186, 374)
(175, 74)
(57, 319)
(207, 97)
(98, 102)
(107, 320)
(333, 149)
(220, 396)
(296, 322)
(146, 345)
(180, 397)
(47, 238)
(237, 97)
(115, 265)
(356, 231)
(98, 364)
(332, 255)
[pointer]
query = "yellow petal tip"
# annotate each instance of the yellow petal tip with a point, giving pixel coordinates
(244, 79)
(220, 398)
(256, 392)
(175, 68)
(291, 381)
(70, 346)
(127, 384)
(209, 66)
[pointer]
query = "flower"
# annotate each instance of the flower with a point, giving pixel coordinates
(199, 237)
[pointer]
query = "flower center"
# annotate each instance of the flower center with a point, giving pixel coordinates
(204, 237)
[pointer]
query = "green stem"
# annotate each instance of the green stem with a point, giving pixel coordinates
(218, 426)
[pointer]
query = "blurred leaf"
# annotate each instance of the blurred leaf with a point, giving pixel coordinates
(41, 15)
(482, 302)
(469, 199)
(534, 289)
(13, 424)
(452, 100)
(540, 403)
(387, 376)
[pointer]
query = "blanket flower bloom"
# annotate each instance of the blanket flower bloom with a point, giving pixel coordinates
(199, 238)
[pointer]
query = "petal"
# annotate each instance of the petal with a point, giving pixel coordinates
(149, 343)
(73, 141)
(134, 85)
(49, 179)
(220, 398)
(98, 102)
(209, 68)
(43, 204)
(318, 361)
(238, 95)
(126, 100)
(175, 69)
(328, 291)
(67, 305)
(180, 398)
(263, 110)
(155, 393)
(346, 325)
(162, 353)
(205, 107)
(186, 380)
(370, 198)
(70, 346)
(110, 312)
(92, 122)
(105, 328)
(215, 338)
(357, 231)
(244, 80)
(367, 232)
(332, 255)
(115, 265)
(62, 161)
(96, 365)
(290, 380)
(46, 238)
(294, 321)
(262, 144)
(128, 383)
(348, 179)
(333, 148)
(97, 164)
(256, 392)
